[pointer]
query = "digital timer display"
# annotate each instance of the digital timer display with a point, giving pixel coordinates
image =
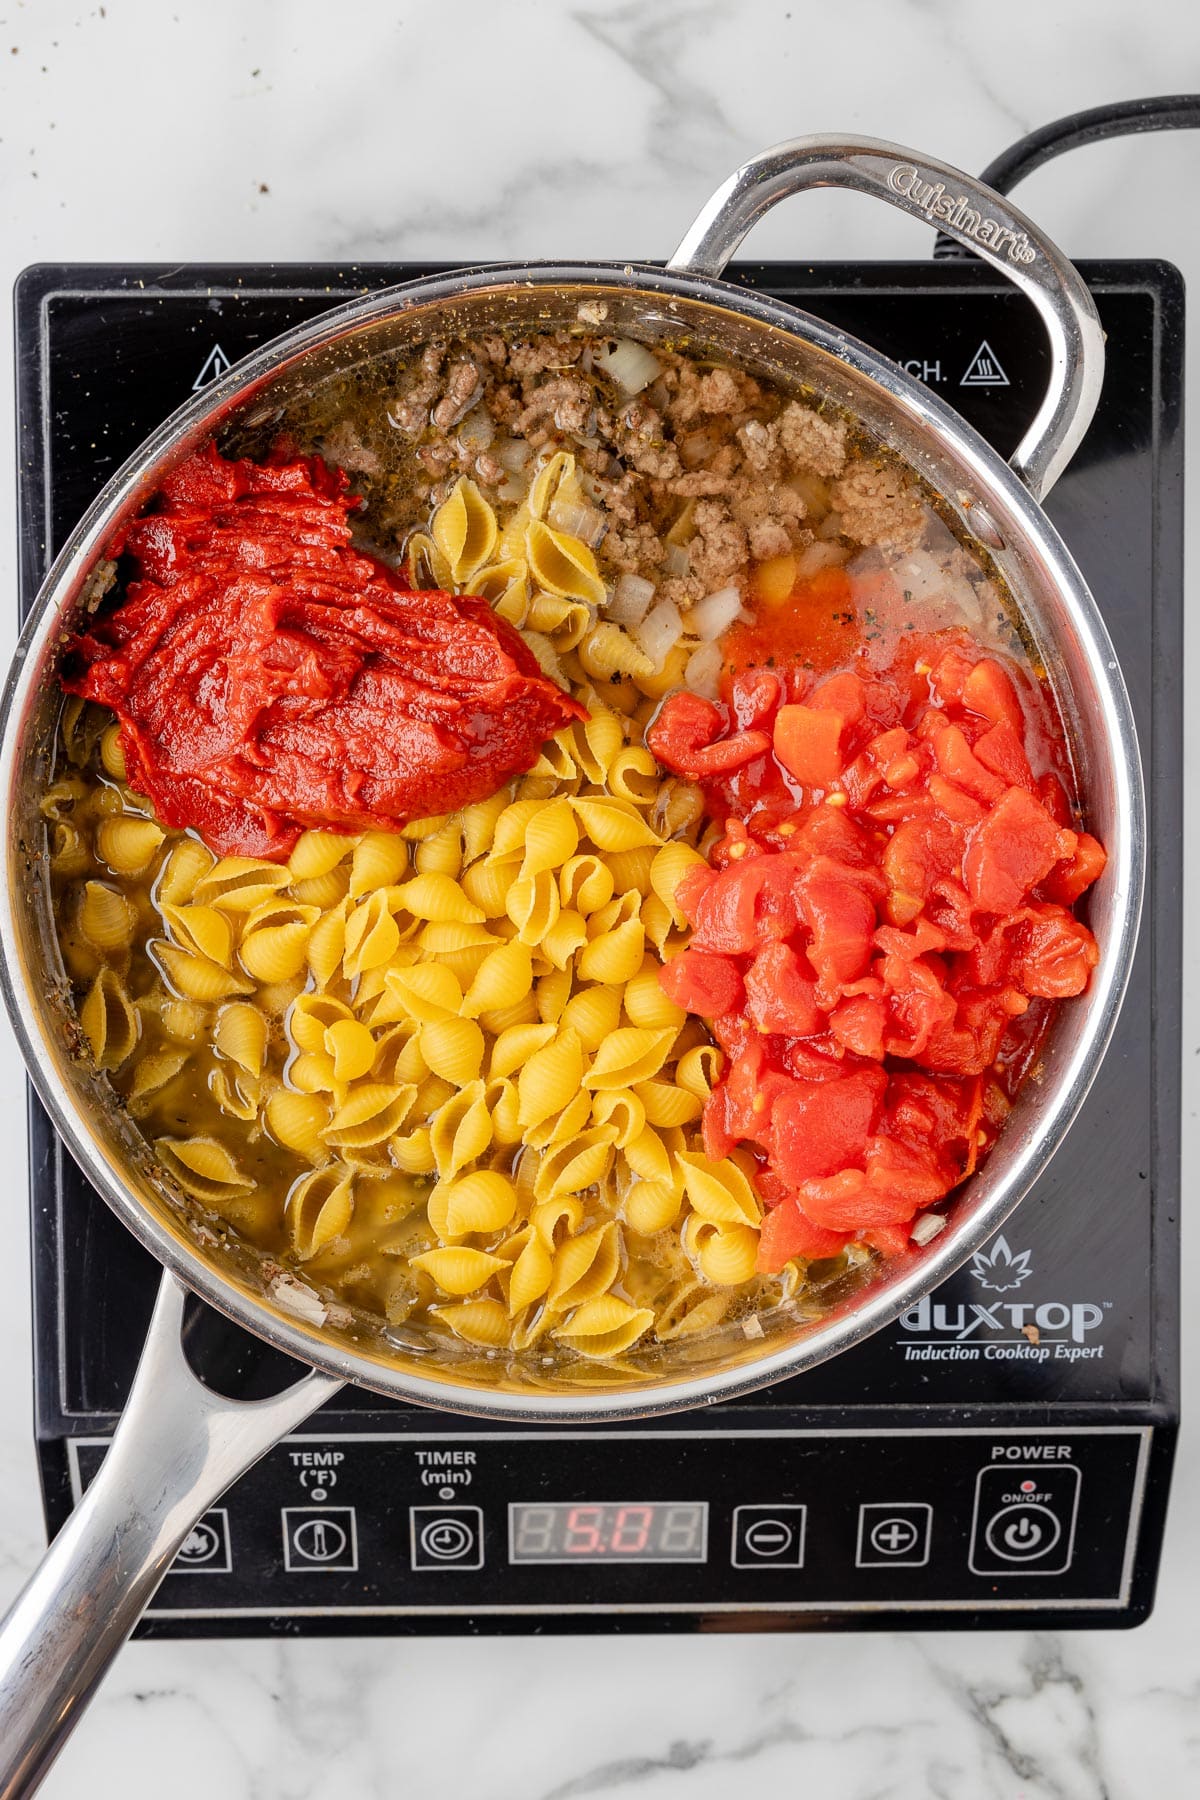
(644, 1531)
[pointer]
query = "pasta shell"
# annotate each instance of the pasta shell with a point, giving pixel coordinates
(652, 1206)
(512, 825)
(486, 884)
(504, 1106)
(550, 1078)
(504, 976)
(594, 1013)
(109, 1021)
(195, 977)
(719, 1192)
(533, 906)
(128, 845)
(484, 1201)
(203, 1167)
(370, 1115)
(613, 824)
(453, 1049)
(413, 1152)
(628, 1056)
(297, 1121)
(728, 1255)
(434, 896)
(461, 1132)
(634, 775)
(585, 884)
(623, 1110)
(666, 1104)
(319, 1209)
(240, 883)
(230, 1095)
(563, 564)
(151, 1074)
(614, 957)
(202, 930)
(479, 824)
(483, 1322)
(351, 1047)
(241, 1035)
(323, 891)
(647, 1005)
(311, 1017)
(531, 1275)
(425, 991)
(106, 918)
(584, 1267)
(380, 859)
(567, 935)
(372, 937)
(316, 853)
(670, 866)
(553, 991)
(605, 1326)
(441, 854)
(700, 1069)
(458, 1269)
(551, 838)
(112, 753)
(464, 530)
(188, 862)
(607, 650)
(578, 1163)
(326, 945)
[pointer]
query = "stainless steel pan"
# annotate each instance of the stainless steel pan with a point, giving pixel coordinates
(179, 1446)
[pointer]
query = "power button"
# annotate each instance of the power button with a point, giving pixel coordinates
(1024, 1519)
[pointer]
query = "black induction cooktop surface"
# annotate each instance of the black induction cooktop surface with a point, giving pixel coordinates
(1062, 1333)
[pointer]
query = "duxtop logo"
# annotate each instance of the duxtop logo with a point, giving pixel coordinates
(1002, 1270)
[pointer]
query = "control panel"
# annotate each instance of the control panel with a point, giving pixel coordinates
(665, 1521)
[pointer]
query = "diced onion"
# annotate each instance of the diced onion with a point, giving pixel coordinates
(630, 600)
(677, 559)
(815, 557)
(627, 363)
(477, 429)
(703, 672)
(512, 453)
(578, 521)
(927, 1228)
(711, 617)
(659, 632)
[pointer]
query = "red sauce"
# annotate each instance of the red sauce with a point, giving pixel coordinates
(270, 678)
(885, 921)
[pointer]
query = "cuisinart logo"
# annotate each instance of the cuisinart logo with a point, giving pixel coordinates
(956, 211)
(1001, 1330)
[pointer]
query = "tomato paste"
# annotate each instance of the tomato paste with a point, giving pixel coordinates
(881, 928)
(269, 677)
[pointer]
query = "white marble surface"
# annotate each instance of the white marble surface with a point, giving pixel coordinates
(236, 129)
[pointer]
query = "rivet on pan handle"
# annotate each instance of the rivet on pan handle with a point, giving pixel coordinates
(176, 1450)
(953, 203)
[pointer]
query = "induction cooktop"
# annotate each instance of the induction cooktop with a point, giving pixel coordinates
(1000, 1455)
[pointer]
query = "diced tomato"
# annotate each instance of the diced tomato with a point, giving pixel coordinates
(1053, 796)
(1014, 848)
(918, 854)
(747, 904)
(859, 1023)
(917, 1006)
(1054, 953)
(720, 758)
(849, 1201)
(686, 724)
(841, 919)
(787, 1232)
(781, 993)
(754, 696)
(844, 694)
(808, 742)
(959, 764)
(949, 675)
(891, 1241)
(1003, 752)
(1069, 879)
(702, 982)
(819, 1127)
(989, 691)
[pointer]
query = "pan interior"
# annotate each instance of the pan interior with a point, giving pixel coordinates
(1046, 602)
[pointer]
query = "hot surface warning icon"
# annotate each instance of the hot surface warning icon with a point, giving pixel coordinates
(215, 364)
(984, 369)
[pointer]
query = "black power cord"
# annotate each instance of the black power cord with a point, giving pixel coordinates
(1164, 112)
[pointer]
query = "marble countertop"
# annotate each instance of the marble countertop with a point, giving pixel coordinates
(235, 131)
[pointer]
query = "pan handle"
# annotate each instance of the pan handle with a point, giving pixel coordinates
(985, 222)
(177, 1448)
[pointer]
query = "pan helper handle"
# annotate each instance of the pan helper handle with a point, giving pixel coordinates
(983, 221)
(176, 1450)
